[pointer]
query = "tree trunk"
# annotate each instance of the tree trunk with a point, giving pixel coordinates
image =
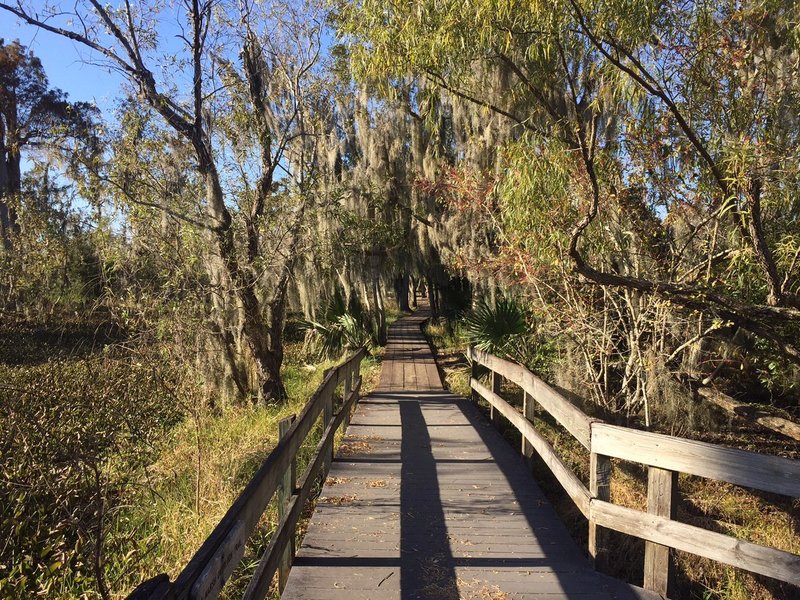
(272, 386)
(433, 297)
(379, 310)
(10, 187)
(401, 287)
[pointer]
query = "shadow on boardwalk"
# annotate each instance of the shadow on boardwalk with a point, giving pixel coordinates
(427, 501)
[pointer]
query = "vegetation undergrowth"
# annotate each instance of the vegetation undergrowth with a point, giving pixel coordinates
(108, 443)
(233, 445)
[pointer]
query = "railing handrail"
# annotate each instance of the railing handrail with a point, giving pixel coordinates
(665, 456)
(215, 560)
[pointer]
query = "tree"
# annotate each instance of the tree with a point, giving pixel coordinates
(268, 85)
(33, 116)
(651, 154)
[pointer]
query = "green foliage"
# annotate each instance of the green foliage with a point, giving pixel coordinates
(536, 206)
(333, 338)
(508, 330)
(76, 435)
(497, 329)
(342, 328)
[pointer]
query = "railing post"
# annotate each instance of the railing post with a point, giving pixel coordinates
(473, 371)
(662, 486)
(285, 492)
(600, 488)
(356, 377)
(348, 387)
(497, 387)
(529, 410)
(327, 415)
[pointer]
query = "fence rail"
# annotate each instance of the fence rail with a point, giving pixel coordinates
(212, 565)
(665, 457)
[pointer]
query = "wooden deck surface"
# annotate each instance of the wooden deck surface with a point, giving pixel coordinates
(426, 501)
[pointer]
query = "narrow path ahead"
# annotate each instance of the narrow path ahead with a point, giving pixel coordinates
(426, 500)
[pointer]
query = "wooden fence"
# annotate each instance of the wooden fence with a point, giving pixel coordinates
(665, 456)
(220, 554)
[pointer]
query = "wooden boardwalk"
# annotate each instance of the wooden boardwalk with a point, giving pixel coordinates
(426, 501)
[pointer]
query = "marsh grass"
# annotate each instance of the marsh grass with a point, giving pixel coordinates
(96, 429)
(233, 444)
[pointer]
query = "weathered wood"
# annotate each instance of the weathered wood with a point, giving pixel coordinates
(568, 480)
(284, 534)
(778, 564)
(152, 589)
(752, 413)
(600, 488)
(662, 486)
(430, 502)
(244, 513)
(740, 467)
(529, 411)
(497, 388)
(250, 504)
(285, 493)
(327, 415)
(348, 386)
(567, 414)
(473, 371)
(216, 572)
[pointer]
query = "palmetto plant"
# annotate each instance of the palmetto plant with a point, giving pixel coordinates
(498, 329)
(344, 333)
(340, 330)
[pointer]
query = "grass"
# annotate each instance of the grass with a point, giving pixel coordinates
(232, 445)
(449, 350)
(168, 466)
(760, 518)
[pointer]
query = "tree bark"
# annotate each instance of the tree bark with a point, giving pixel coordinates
(402, 288)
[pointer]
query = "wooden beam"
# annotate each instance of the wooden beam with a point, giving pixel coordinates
(285, 493)
(662, 486)
(600, 488)
(243, 515)
(749, 469)
(152, 589)
(568, 480)
(259, 584)
(777, 564)
(473, 371)
(348, 385)
(327, 415)
(497, 388)
(567, 414)
(529, 411)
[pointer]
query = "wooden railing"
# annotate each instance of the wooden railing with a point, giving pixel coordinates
(220, 554)
(665, 456)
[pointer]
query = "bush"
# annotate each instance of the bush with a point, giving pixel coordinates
(75, 435)
(498, 330)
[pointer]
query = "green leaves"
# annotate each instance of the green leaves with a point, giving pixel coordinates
(534, 195)
(69, 425)
(345, 332)
(496, 329)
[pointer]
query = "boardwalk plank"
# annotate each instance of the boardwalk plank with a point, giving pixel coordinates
(427, 501)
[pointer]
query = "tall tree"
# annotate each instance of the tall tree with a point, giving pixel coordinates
(32, 116)
(246, 318)
(623, 116)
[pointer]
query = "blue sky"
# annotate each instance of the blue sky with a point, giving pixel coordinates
(63, 61)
